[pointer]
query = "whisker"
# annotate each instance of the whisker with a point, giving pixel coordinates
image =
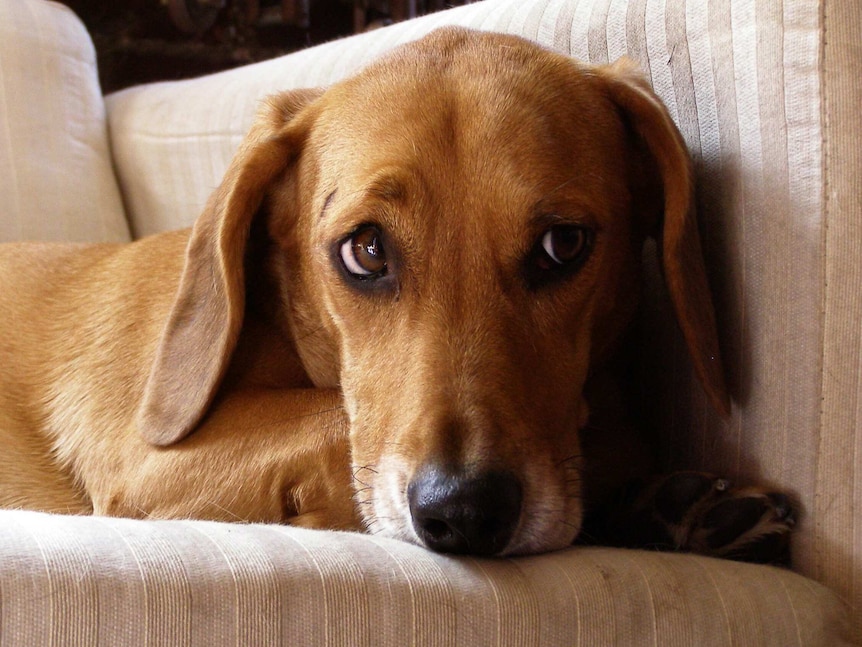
(319, 412)
(569, 459)
(230, 513)
(358, 468)
(310, 333)
(557, 188)
(144, 513)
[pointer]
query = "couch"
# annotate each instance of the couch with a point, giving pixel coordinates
(767, 95)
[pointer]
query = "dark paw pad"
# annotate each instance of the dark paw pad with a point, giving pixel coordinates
(699, 513)
(749, 525)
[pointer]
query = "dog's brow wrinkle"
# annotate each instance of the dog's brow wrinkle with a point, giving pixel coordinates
(327, 202)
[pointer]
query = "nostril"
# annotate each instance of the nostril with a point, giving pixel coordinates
(455, 513)
(436, 528)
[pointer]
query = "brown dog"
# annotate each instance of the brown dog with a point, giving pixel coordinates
(447, 245)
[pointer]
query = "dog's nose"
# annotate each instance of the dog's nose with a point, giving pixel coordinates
(454, 513)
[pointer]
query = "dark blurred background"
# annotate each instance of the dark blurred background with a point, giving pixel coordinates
(138, 41)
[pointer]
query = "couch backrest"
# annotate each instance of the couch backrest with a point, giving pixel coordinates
(56, 176)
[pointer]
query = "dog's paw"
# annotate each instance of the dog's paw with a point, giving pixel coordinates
(699, 513)
(748, 524)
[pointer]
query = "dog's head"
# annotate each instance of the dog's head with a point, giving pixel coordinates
(457, 232)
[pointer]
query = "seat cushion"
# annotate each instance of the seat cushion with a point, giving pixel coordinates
(91, 580)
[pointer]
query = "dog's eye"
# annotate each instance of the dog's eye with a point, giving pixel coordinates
(564, 246)
(363, 255)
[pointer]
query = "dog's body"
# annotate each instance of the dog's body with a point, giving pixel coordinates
(447, 245)
(68, 451)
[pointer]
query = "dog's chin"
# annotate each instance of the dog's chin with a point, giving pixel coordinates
(545, 525)
(540, 535)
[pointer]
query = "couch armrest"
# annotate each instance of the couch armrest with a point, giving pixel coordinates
(56, 174)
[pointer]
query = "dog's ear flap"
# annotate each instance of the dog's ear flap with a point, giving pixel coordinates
(675, 226)
(203, 327)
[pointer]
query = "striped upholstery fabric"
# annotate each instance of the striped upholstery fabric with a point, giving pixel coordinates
(767, 94)
(835, 548)
(95, 581)
(56, 177)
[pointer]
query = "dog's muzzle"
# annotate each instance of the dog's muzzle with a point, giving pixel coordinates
(457, 513)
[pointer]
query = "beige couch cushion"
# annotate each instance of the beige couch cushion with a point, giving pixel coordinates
(90, 580)
(56, 176)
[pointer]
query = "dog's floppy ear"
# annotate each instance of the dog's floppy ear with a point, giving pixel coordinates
(676, 231)
(207, 314)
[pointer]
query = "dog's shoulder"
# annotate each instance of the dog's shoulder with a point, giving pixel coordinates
(55, 264)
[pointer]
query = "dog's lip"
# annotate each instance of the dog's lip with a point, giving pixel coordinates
(386, 512)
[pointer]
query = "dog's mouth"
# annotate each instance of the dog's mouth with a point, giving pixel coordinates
(490, 512)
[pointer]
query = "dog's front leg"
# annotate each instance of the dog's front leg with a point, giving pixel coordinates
(261, 455)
